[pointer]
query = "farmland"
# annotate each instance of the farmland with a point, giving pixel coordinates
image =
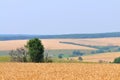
(107, 57)
(56, 71)
(48, 43)
(97, 41)
(62, 69)
(54, 47)
(59, 40)
(53, 44)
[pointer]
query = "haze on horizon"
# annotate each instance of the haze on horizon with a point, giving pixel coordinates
(59, 16)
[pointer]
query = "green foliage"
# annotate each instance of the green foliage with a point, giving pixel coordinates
(117, 60)
(49, 60)
(100, 49)
(35, 50)
(4, 58)
(60, 56)
(77, 53)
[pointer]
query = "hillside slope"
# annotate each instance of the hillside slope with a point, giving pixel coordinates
(64, 36)
(49, 44)
(108, 57)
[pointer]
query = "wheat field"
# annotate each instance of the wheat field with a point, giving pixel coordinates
(97, 41)
(50, 44)
(57, 71)
(54, 43)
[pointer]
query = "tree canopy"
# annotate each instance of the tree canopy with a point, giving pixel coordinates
(35, 50)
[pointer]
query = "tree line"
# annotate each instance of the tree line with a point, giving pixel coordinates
(65, 36)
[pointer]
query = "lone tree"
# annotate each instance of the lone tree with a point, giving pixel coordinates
(35, 50)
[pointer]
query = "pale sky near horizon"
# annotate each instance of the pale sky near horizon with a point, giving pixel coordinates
(59, 16)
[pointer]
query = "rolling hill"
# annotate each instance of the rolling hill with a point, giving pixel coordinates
(50, 44)
(56, 43)
(107, 57)
(64, 36)
(94, 41)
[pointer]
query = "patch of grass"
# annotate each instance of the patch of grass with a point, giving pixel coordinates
(4, 56)
(66, 52)
(4, 59)
(57, 60)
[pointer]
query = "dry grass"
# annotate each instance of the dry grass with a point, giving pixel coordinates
(48, 43)
(55, 71)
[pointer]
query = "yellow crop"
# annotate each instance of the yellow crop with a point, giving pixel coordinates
(57, 71)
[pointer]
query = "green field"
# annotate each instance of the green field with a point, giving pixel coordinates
(4, 58)
(67, 53)
(4, 55)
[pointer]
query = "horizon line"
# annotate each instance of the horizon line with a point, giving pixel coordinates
(60, 34)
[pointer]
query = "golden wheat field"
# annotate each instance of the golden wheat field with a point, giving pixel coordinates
(98, 41)
(48, 43)
(57, 71)
(54, 43)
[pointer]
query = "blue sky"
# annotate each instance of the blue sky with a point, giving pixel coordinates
(59, 16)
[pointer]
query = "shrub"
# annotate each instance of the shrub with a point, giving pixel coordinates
(77, 53)
(80, 58)
(48, 59)
(18, 55)
(117, 60)
(60, 56)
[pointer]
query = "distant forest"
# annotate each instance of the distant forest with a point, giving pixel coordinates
(64, 36)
